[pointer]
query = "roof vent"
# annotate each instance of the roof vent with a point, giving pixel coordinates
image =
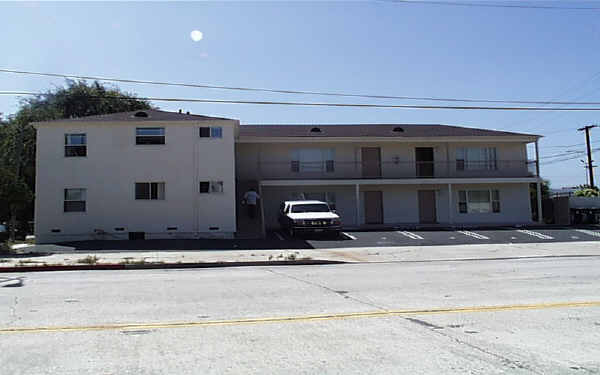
(140, 114)
(315, 130)
(398, 129)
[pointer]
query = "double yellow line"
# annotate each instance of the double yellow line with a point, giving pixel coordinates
(302, 318)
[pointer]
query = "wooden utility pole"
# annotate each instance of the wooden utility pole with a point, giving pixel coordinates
(589, 151)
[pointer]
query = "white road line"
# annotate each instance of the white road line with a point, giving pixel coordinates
(410, 235)
(535, 234)
(589, 232)
(279, 236)
(473, 234)
(349, 236)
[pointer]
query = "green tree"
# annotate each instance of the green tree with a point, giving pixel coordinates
(18, 137)
(587, 191)
(545, 189)
(14, 195)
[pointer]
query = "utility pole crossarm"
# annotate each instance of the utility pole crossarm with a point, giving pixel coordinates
(589, 151)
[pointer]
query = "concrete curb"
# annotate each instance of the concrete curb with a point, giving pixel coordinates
(149, 266)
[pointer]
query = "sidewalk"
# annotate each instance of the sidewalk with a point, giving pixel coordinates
(212, 258)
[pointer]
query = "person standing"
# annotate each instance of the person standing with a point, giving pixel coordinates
(251, 198)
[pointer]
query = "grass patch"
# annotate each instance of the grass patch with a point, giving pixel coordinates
(90, 259)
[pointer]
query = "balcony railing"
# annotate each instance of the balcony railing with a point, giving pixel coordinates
(330, 169)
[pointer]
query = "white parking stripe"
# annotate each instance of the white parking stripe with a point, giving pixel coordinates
(410, 235)
(535, 234)
(349, 236)
(473, 234)
(590, 232)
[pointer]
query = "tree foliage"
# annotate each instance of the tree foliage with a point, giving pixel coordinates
(18, 136)
(587, 191)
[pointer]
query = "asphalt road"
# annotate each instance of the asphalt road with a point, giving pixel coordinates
(539, 316)
(278, 240)
(442, 237)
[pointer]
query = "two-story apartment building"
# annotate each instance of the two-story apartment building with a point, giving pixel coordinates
(392, 174)
(155, 174)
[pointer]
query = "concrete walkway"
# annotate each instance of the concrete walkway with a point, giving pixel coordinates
(352, 255)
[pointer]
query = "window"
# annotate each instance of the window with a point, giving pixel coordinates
(216, 132)
(205, 186)
(75, 145)
(211, 132)
(211, 187)
(478, 201)
(204, 132)
(313, 160)
(150, 136)
(310, 207)
(74, 200)
(150, 190)
(476, 158)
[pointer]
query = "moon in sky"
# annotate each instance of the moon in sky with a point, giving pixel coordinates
(196, 35)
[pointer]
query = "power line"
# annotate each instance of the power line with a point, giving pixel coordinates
(317, 104)
(464, 4)
(567, 158)
(300, 92)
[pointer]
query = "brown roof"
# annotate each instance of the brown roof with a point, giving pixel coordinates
(153, 115)
(370, 130)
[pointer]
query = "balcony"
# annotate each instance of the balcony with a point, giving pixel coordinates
(330, 169)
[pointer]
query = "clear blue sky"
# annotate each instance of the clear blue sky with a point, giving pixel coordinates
(373, 47)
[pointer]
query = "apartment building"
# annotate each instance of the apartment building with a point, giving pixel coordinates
(156, 174)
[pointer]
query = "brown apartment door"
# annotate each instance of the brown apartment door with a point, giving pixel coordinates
(373, 207)
(424, 160)
(427, 214)
(371, 162)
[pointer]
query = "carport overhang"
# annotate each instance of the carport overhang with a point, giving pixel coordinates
(357, 183)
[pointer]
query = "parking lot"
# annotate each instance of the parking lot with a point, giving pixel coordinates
(441, 237)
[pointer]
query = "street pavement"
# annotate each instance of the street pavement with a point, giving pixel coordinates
(521, 316)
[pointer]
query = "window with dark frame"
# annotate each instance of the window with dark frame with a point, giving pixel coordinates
(205, 132)
(149, 190)
(150, 136)
(204, 187)
(211, 187)
(74, 200)
(211, 132)
(75, 145)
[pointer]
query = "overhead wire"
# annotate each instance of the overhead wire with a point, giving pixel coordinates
(468, 4)
(320, 104)
(300, 92)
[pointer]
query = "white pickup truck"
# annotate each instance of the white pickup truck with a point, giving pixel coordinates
(308, 217)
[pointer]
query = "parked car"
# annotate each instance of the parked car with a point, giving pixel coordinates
(309, 217)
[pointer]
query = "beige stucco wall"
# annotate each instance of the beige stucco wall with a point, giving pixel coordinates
(112, 166)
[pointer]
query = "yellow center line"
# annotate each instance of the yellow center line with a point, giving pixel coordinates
(303, 318)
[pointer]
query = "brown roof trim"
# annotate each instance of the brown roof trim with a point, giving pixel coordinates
(153, 115)
(372, 130)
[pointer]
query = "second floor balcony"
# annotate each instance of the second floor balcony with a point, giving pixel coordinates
(331, 169)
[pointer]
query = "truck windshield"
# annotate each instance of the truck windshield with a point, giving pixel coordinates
(312, 207)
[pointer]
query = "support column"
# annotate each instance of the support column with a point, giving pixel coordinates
(357, 197)
(262, 211)
(539, 202)
(537, 159)
(450, 205)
